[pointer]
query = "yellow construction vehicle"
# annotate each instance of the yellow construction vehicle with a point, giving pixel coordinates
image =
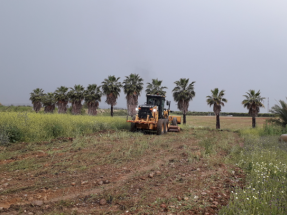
(154, 117)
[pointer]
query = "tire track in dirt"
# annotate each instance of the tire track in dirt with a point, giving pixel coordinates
(74, 191)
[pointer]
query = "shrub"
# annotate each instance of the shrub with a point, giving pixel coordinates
(280, 111)
(4, 139)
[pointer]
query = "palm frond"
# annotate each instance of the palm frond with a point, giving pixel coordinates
(253, 102)
(280, 110)
(155, 87)
(216, 100)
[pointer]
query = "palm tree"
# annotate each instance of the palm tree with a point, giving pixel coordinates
(281, 112)
(49, 101)
(36, 98)
(76, 96)
(62, 99)
(111, 88)
(253, 102)
(155, 87)
(216, 99)
(92, 96)
(133, 85)
(183, 94)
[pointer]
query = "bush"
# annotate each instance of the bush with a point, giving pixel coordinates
(14, 134)
(273, 129)
(4, 139)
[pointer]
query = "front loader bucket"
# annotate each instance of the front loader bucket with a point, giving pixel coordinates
(173, 128)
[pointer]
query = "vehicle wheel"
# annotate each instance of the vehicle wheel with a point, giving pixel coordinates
(165, 125)
(133, 126)
(160, 127)
(174, 121)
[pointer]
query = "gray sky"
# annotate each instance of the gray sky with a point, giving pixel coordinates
(232, 45)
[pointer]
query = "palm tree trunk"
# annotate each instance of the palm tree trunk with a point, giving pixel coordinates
(217, 122)
(92, 109)
(62, 106)
(37, 106)
(184, 112)
(49, 109)
(76, 107)
(184, 117)
(112, 110)
(253, 122)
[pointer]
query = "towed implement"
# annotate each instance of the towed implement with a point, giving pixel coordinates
(153, 116)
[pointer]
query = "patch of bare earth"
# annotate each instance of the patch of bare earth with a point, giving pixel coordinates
(115, 174)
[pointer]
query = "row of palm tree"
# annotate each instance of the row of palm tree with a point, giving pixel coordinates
(62, 96)
(111, 87)
(253, 103)
(183, 93)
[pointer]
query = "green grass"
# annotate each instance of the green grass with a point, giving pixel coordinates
(13, 108)
(40, 127)
(264, 159)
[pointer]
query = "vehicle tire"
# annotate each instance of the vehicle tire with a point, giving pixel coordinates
(160, 127)
(133, 126)
(165, 125)
(174, 121)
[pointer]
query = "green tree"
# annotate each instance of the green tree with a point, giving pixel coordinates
(253, 102)
(76, 96)
(49, 102)
(93, 96)
(36, 98)
(216, 99)
(281, 112)
(62, 99)
(133, 85)
(111, 88)
(183, 94)
(155, 88)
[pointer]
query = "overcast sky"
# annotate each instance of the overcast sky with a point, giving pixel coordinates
(232, 45)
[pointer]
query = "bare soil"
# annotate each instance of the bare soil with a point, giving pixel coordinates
(120, 173)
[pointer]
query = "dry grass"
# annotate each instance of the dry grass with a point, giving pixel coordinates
(232, 123)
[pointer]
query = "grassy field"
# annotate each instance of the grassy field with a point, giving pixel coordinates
(27, 127)
(23, 126)
(101, 112)
(16, 108)
(197, 171)
(232, 123)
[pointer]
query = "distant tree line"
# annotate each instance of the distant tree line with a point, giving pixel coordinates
(111, 87)
(195, 113)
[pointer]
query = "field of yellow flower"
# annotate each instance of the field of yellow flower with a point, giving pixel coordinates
(37, 127)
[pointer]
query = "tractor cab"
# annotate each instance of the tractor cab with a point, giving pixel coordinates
(156, 100)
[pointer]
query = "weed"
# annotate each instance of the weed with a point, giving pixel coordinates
(266, 164)
(39, 127)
